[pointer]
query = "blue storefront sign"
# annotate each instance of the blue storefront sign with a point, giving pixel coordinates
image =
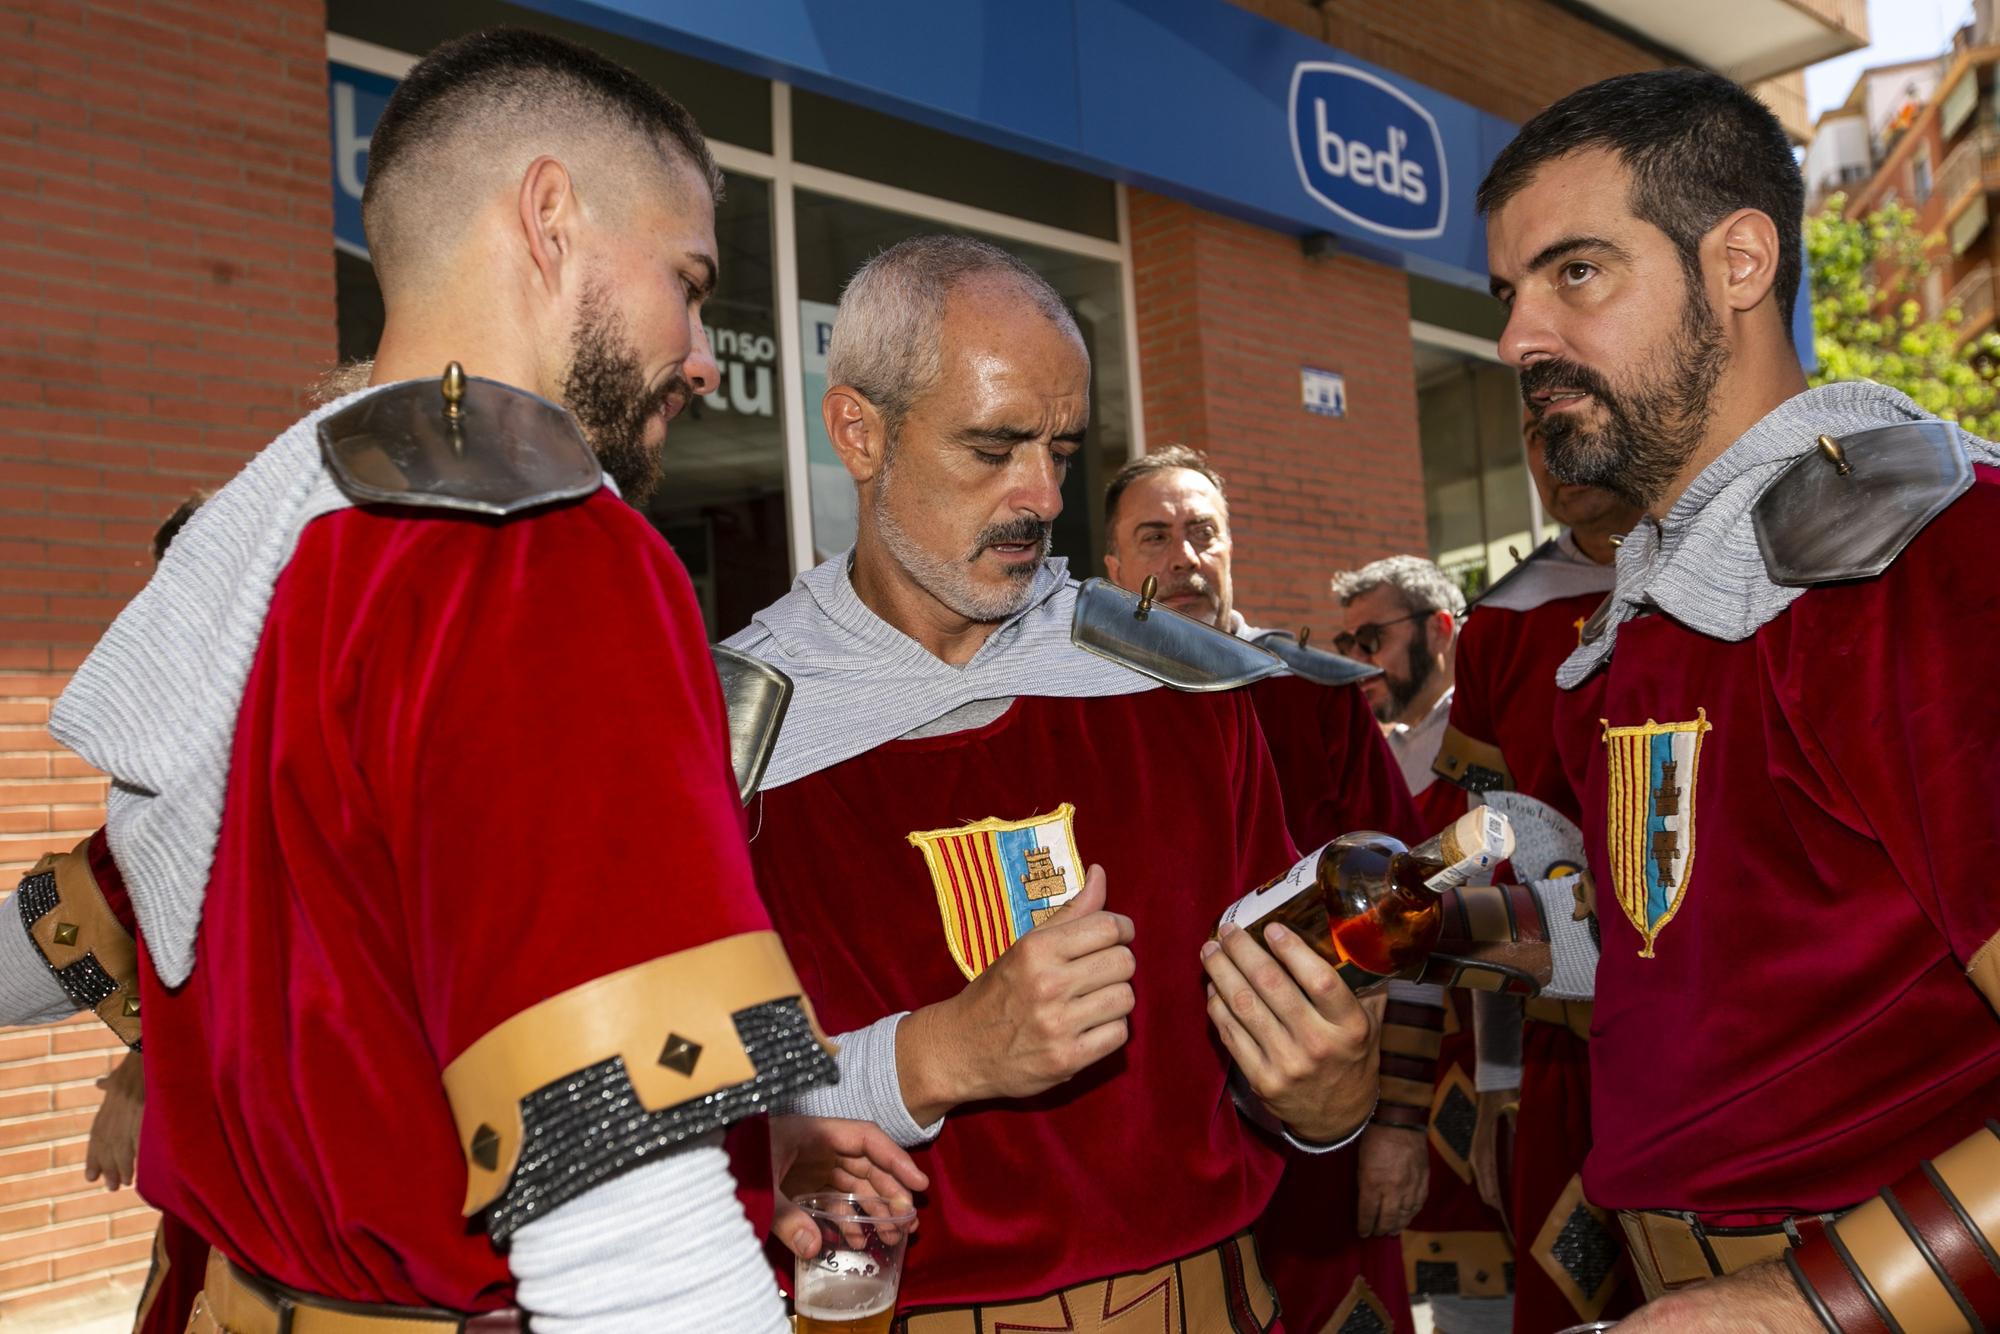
(355, 98)
(1194, 98)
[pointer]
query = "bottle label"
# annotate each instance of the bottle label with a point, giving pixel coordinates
(1271, 896)
(1477, 842)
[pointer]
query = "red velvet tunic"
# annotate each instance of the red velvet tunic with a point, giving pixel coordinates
(1141, 1158)
(477, 764)
(1802, 1030)
(1506, 696)
(1338, 776)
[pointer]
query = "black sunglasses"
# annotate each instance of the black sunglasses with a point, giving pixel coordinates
(1369, 637)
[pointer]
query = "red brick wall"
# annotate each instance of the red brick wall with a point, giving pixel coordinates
(166, 288)
(1227, 314)
(1508, 57)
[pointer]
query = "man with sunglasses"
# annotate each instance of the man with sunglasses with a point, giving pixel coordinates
(1401, 614)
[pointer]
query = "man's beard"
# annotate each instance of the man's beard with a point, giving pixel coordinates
(952, 582)
(1406, 688)
(605, 389)
(1648, 435)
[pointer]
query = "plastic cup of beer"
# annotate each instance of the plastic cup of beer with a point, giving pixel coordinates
(850, 1286)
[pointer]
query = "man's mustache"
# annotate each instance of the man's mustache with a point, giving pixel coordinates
(1545, 376)
(1192, 584)
(1012, 532)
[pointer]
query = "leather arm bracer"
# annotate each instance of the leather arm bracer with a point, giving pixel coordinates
(1919, 1256)
(589, 1083)
(1412, 1034)
(1495, 938)
(90, 952)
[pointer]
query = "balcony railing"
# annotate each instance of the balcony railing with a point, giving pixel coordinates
(1973, 297)
(1973, 165)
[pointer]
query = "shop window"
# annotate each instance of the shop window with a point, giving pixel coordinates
(721, 499)
(835, 237)
(1476, 487)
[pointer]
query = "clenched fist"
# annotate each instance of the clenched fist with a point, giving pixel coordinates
(1054, 1004)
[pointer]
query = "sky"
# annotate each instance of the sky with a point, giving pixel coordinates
(1902, 30)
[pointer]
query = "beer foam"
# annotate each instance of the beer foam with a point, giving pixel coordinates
(844, 1297)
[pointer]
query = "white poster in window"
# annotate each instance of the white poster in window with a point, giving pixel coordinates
(835, 515)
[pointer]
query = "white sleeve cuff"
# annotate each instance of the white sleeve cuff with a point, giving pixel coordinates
(663, 1246)
(29, 992)
(1572, 944)
(870, 1088)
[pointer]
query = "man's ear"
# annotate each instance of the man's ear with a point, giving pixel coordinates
(547, 211)
(1111, 567)
(1438, 627)
(855, 427)
(1750, 248)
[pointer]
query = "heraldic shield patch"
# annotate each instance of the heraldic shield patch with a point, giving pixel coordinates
(1651, 771)
(996, 880)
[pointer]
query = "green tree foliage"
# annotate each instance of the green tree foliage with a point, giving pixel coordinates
(1868, 324)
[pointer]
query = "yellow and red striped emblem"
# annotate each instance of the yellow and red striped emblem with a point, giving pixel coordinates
(1650, 800)
(997, 879)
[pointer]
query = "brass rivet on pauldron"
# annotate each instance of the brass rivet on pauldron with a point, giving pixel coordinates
(65, 933)
(453, 388)
(131, 1007)
(1835, 455)
(680, 1054)
(485, 1150)
(1146, 591)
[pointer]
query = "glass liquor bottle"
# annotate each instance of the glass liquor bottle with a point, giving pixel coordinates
(1370, 906)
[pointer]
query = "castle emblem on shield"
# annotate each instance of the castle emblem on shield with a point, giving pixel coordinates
(996, 880)
(1651, 771)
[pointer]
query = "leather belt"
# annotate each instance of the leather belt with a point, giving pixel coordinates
(1672, 1250)
(234, 1302)
(1573, 1015)
(1221, 1290)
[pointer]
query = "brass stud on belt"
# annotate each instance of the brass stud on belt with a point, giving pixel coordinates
(65, 933)
(131, 1007)
(485, 1148)
(453, 388)
(1835, 455)
(1146, 591)
(680, 1054)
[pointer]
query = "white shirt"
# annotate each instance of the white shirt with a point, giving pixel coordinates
(1415, 745)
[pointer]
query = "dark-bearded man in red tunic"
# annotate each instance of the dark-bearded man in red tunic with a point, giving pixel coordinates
(1788, 765)
(998, 858)
(435, 1027)
(1329, 1239)
(1502, 737)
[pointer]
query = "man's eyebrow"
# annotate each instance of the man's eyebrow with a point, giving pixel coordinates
(706, 287)
(998, 435)
(1569, 245)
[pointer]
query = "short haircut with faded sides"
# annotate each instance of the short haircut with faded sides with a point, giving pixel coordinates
(885, 339)
(1698, 147)
(491, 102)
(1164, 459)
(1422, 586)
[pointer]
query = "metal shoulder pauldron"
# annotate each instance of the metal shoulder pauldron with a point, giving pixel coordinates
(1175, 650)
(756, 695)
(1316, 665)
(462, 444)
(1847, 509)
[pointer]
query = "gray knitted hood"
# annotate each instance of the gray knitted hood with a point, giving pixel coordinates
(1703, 566)
(859, 681)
